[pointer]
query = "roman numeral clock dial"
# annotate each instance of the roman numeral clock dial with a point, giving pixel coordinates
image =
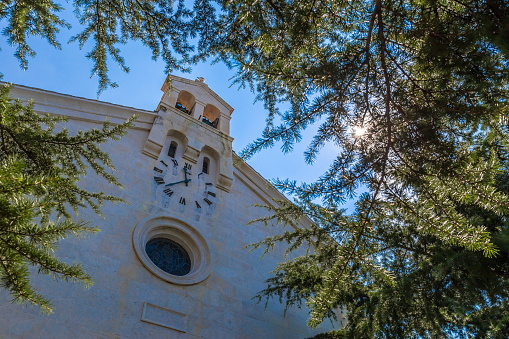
(172, 182)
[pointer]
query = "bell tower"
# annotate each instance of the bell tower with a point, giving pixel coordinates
(193, 123)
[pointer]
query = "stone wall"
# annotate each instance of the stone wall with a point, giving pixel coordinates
(127, 300)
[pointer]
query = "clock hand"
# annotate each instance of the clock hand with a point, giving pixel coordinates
(179, 182)
(185, 175)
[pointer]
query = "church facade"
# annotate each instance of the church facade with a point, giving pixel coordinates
(171, 262)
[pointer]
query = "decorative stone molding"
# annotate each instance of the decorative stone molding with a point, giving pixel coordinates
(164, 317)
(182, 233)
(191, 154)
(156, 137)
(152, 149)
(224, 183)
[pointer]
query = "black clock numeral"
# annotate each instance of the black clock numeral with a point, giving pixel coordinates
(207, 184)
(212, 194)
(208, 201)
(158, 170)
(159, 180)
(175, 162)
(197, 205)
(163, 163)
(182, 200)
(188, 166)
(168, 192)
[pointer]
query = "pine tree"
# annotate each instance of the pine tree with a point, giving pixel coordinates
(166, 27)
(414, 96)
(39, 173)
(408, 285)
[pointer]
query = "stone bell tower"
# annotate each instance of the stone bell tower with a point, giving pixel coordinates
(193, 124)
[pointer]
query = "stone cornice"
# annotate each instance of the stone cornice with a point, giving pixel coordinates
(78, 108)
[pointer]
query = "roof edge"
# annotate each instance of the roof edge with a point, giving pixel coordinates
(80, 105)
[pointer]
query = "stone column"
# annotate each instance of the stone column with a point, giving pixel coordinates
(224, 123)
(199, 106)
(170, 98)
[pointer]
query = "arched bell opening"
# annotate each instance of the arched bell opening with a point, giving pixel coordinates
(211, 115)
(185, 102)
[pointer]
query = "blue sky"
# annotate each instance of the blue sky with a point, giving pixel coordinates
(68, 71)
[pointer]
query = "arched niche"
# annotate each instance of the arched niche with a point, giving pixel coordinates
(185, 102)
(212, 156)
(211, 115)
(179, 140)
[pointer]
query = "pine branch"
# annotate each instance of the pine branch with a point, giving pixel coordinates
(39, 176)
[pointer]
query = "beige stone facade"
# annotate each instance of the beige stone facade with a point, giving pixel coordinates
(206, 215)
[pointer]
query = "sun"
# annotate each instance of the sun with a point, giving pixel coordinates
(359, 131)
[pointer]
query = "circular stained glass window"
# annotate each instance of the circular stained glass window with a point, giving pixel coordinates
(168, 256)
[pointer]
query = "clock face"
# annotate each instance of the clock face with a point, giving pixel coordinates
(178, 185)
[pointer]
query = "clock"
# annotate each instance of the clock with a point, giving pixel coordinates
(167, 177)
(178, 185)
